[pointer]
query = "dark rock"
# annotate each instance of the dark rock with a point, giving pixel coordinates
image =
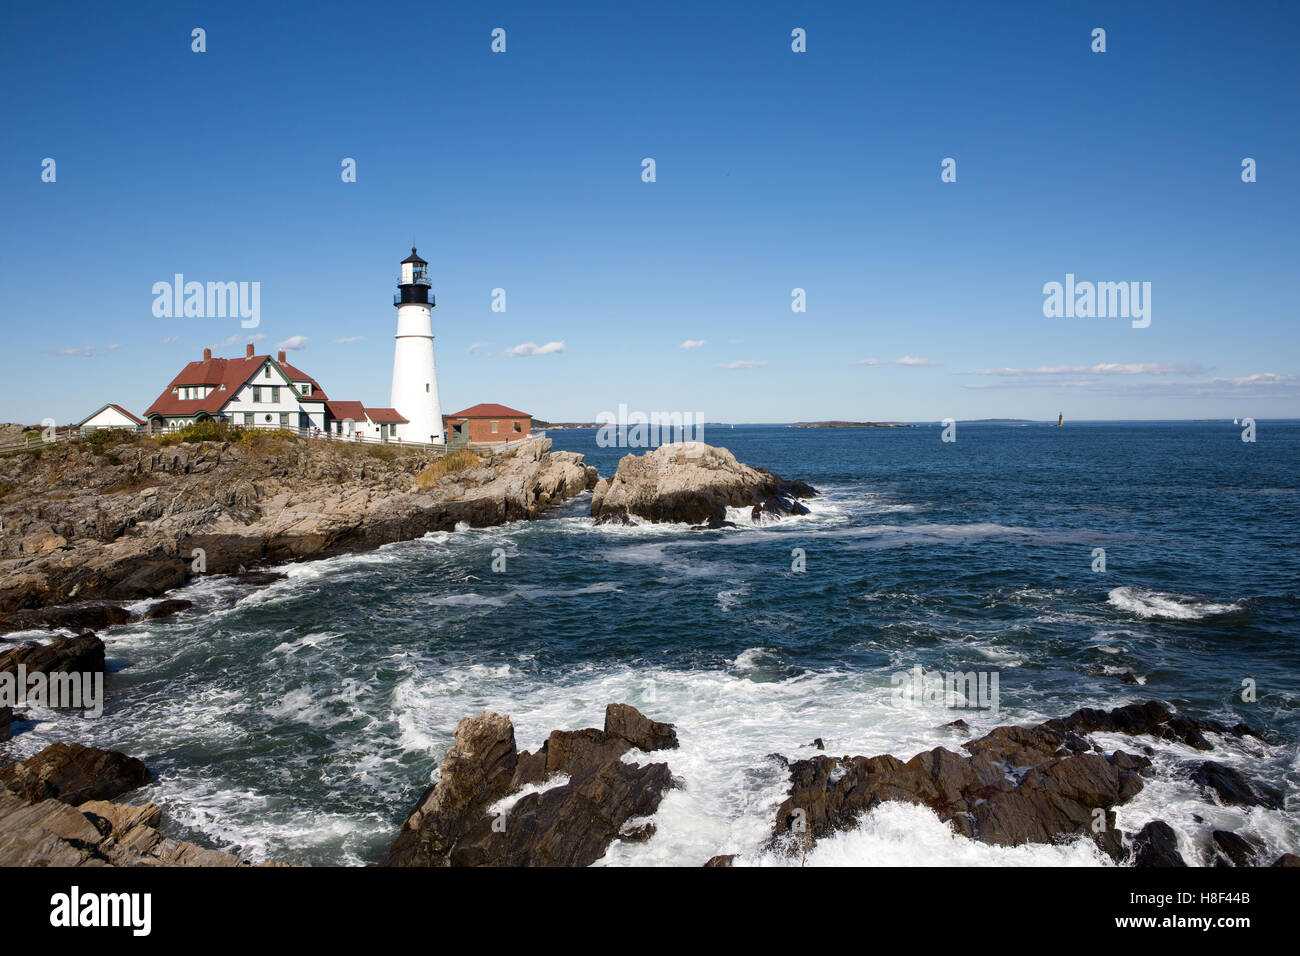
(74, 774)
(959, 724)
(84, 653)
(625, 721)
(1287, 859)
(1128, 677)
(259, 578)
(1156, 844)
(6, 718)
(73, 617)
(568, 824)
(818, 744)
(148, 578)
(1233, 789)
(166, 609)
(1018, 784)
(1234, 849)
(726, 859)
(637, 834)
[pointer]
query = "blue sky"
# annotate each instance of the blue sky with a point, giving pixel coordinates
(775, 170)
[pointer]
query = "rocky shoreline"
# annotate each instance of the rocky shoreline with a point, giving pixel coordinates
(133, 520)
(583, 790)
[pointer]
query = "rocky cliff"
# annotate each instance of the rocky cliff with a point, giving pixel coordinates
(94, 519)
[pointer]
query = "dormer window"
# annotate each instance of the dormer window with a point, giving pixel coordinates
(268, 372)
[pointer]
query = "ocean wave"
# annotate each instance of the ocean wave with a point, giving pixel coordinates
(1160, 605)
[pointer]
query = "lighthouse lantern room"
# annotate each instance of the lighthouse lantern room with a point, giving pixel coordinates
(415, 378)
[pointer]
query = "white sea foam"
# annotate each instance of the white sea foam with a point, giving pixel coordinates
(1156, 604)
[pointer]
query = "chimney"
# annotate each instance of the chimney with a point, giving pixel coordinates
(249, 352)
(207, 355)
(279, 357)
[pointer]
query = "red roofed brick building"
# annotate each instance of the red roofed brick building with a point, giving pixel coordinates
(487, 423)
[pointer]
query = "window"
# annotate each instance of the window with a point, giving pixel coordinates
(257, 393)
(284, 419)
(426, 386)
(494, 428)
(517, 427)
(267, 372)
(306, 388)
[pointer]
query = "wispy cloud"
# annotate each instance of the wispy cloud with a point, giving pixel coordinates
(1256, 385)
(532, 348)
(293, 343)
(475, 347)
(171, 339)
(906, 361)
(84, 352)
(1102, 368)
(691, 344)
(349, 340)
(733, 365)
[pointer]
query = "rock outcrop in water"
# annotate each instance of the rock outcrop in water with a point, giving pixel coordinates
(120, 522)
(693, 483)
(573, 797)
(1015, 785)
(63, 655)
(55, 811)
(73, 774)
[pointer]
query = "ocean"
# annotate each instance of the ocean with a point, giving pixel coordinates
(301, 720)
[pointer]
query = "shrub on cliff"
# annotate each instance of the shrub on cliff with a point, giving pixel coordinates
(202, 431)
(451, 462)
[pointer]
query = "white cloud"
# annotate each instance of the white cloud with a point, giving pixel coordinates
(293, 343)
(532, 348)
(734, 365)
(84, 352)
(256, 338)
(691, 344)
(349, 340)
(170, 340)
(1102, 368)
(475, 347)
(113, 348)
(906, 361)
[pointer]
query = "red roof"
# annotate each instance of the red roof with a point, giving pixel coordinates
(341, 410)
(489, 410)
(232, 373)
(138, 421)
(384, 415)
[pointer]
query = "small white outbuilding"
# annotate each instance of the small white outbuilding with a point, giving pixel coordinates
(111, 416)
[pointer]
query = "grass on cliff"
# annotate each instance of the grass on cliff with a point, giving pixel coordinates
(460, 459)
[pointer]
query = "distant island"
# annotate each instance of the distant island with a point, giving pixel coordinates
(995, 421)
(838, 424)
(543, 425)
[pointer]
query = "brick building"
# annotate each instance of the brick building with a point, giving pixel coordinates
(488, 423)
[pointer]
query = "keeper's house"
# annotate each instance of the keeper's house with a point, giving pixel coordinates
(255, 391)
(258, 391)
(111, 416)
(486, 424)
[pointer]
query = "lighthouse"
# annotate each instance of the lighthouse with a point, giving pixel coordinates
(415, 380)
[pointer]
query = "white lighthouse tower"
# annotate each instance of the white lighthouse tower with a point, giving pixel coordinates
(415, 380)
